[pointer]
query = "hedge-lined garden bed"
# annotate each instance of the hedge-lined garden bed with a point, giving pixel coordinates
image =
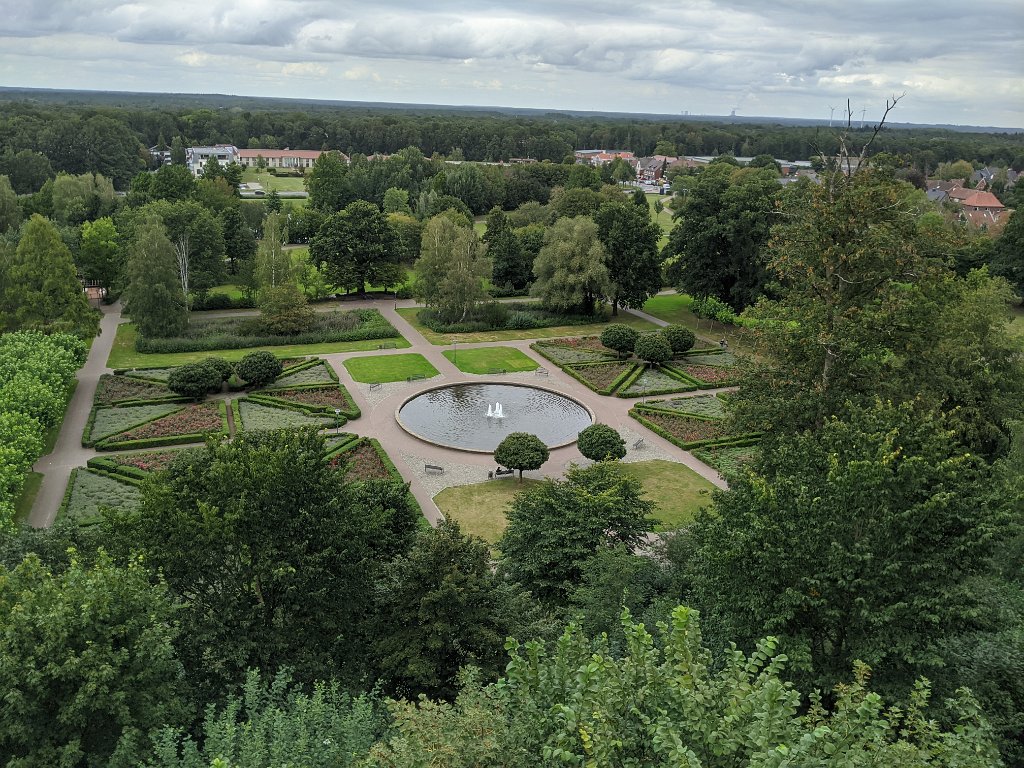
(114, 389)
(253, 414)
(90, 490)
(245, 332)
(186, 424)
(727, 459)
(708, 406)
(688, 430)
(363, 458)
(106, 421)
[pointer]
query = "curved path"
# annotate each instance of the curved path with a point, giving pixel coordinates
(378, 408)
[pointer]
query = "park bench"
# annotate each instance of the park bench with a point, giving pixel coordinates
(374, 385)
(415, 377)
(433, 468)
(387, 345)
(639, 444)
(541, 372)
(499, 472)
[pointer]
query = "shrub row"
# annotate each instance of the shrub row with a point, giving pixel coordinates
(215, 301)
(111, 467)
(267, 398)
(501, 316)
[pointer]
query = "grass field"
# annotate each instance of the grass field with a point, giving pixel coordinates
(480, 508)
(23, 504)
(280, 183)
(381, 368)
(592, 329)
(487, 359)
(123, 354)
(664, 218)
(675, 308)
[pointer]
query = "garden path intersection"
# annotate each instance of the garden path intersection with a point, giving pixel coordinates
(378, 415)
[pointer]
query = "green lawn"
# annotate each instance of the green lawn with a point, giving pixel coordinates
(677, 490)
(380, 368)
(23, 504)
(123, 354)
(592, 329)
(675, 308)
(229, 290)
(1017, 323)
(479, 509)
(488, 359)
(664, 218)
(280, 183)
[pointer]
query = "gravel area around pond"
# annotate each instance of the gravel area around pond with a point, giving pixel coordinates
(379, 394)
(455, 474)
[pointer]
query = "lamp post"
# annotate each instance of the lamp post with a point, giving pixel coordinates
(337, 419)
(455, 353)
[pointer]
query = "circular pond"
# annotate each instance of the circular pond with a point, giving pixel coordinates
(476, 417)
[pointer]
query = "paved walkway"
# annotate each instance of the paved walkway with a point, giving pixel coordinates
(378, 419)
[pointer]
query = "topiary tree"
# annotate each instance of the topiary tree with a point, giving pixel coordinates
(194, 380)
(620, 337)
(258, 369)
(521, 450)
(653, 347)
(599, 442)
(679, 337)
(223, 368)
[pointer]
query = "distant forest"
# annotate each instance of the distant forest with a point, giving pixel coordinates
(107, 133)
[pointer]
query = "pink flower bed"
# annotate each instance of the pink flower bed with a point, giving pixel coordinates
(581, 342)
(685, 429)
(330, 396)
(710, 374)
(191, 419)
(148, 462)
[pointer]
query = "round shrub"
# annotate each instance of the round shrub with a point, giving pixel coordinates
(619, 337)
(521, 450)
(520, 321)
(599, 442)
(194, 380)
(223, 368)
(679, 337)
(258, 369)
(653, 347)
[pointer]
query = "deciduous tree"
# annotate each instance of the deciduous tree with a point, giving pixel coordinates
(450, 270)
(630, 241)
(571, 268)
(522, 451)
(153, 295)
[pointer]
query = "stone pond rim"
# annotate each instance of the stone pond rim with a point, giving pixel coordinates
(590, 416)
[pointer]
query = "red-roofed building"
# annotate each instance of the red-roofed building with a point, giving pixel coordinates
(982, 201)
(280, 158)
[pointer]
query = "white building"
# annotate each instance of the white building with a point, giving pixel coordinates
(197, 157)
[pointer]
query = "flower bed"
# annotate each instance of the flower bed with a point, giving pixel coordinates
(653, 381)
(327, 397)
(568, 355)
(361, 462)
(114, 389)
(592, 343)
(107, 421)
(313, 374)
(603, 378)
(684, 431)
(727, 459)
(709, 375)
(718, 359)
(89, 491)
(149, 461)
(255, 416)
(192, 420)
(709, 406)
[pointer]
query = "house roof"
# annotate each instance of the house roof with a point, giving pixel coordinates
(983, 200)
(960, 193)
(267, 154)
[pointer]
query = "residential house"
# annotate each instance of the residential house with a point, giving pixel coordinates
(160, 156)
(599, 157)
(651, 170)
(197, 157)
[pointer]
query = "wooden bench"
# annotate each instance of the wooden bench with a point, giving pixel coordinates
(639, 444)
(433, 468)
(541, 372)
(374, 385)
(387, 345)
(415, 377)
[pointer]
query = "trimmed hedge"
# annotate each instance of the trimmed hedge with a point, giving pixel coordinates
(687, 384)
(155, 442)
(267, 398)
(637, 413)
(611, 387)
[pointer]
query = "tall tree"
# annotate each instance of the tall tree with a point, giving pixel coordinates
(571, 269)
(239, 243)
(42, 289)
(555, 527)
(198, 240)
(716, 246)
(10, 211)
(359, 246)
(511, 265)
(328, 187)
(630, 240)
(88, 664)
(451, 269)
(153, 295)
(178, 155)
(99, 253)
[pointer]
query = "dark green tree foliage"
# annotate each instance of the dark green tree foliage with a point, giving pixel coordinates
(1008, 253)
(640, 201)
(599, 442)
(679, 337)
(223, 367)
(239, 243)
(327, 184)
(852, 542)
(153, 293)
(620, 337)
(272, 556)
(522, 451)
(570, 268)
(178, 154)
(196, 232)
(630, 240)
(10, 210)
(555, 527)
(442, 607)
(41, 287)
(99, 254)
(359, 245)
(257, 369)
(716, 246)
(87, 664)
(653, 347)
(274, 202)
(273, 723)
(194, 380)
(511, 265)
(27, 170)
(173, 183)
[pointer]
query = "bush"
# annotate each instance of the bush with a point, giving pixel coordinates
(223, 368)
(258, 369)
(495, 315)
(285, 311)
(620, 337)
(653, 347)
(599, 442)
(520, 321)
(194, 380)
(679, 337)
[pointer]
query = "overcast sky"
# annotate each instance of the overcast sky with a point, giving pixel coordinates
(958, 61)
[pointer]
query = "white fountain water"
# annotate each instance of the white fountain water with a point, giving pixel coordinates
(498, 413)
(490, 411)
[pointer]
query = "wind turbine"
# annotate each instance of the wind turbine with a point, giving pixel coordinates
(831, 111)
(862, 113)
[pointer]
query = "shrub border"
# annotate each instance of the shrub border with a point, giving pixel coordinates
(267, 398)
(611, 387)
(62, 510)
(280, 405)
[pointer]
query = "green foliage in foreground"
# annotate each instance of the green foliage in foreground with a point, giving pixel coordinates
(673, 704)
